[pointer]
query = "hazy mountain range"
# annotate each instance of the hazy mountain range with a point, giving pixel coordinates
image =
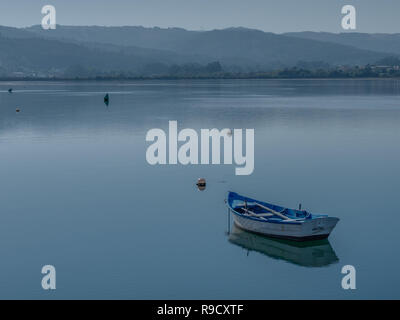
(82, 50)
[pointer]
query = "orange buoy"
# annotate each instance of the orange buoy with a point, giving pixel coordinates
(201, 183)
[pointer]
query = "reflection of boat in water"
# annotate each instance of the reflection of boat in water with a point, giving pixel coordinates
(280, 222)
(316, 253)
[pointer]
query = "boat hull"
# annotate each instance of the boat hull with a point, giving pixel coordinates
(307, 230)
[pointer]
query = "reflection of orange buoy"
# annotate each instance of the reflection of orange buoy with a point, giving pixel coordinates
(17, 110)
(201, 184)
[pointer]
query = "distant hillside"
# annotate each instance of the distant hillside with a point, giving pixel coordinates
(267, 50)
(16, 33)
(90, 51)
(378, 42)
(155, 38)
(233, 46)
(42, 55)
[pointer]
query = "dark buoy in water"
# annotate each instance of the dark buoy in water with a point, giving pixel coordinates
(17, 110)
(10, 90)
(201, 184)
(107, 99)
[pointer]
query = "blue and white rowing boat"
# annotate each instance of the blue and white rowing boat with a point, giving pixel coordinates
(279, 222)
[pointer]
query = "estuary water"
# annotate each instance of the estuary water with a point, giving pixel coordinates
(77, 193)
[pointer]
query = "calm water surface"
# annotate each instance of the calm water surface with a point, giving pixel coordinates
(76, 190)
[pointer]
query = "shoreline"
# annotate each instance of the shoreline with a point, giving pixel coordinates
(188, 78)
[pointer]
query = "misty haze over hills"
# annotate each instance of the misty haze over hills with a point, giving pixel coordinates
(137, 51)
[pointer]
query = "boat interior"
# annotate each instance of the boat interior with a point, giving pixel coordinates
(266, 211)
(254, 209)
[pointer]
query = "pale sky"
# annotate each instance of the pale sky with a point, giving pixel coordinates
(268, 15)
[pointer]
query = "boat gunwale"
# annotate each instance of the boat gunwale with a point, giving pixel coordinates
(235, 196)
(286, 222)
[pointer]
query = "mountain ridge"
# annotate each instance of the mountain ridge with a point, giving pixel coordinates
(142, 51)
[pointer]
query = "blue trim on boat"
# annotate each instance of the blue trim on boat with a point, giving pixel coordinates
(300, 215)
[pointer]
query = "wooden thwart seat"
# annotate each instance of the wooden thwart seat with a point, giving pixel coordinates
(273, 212)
